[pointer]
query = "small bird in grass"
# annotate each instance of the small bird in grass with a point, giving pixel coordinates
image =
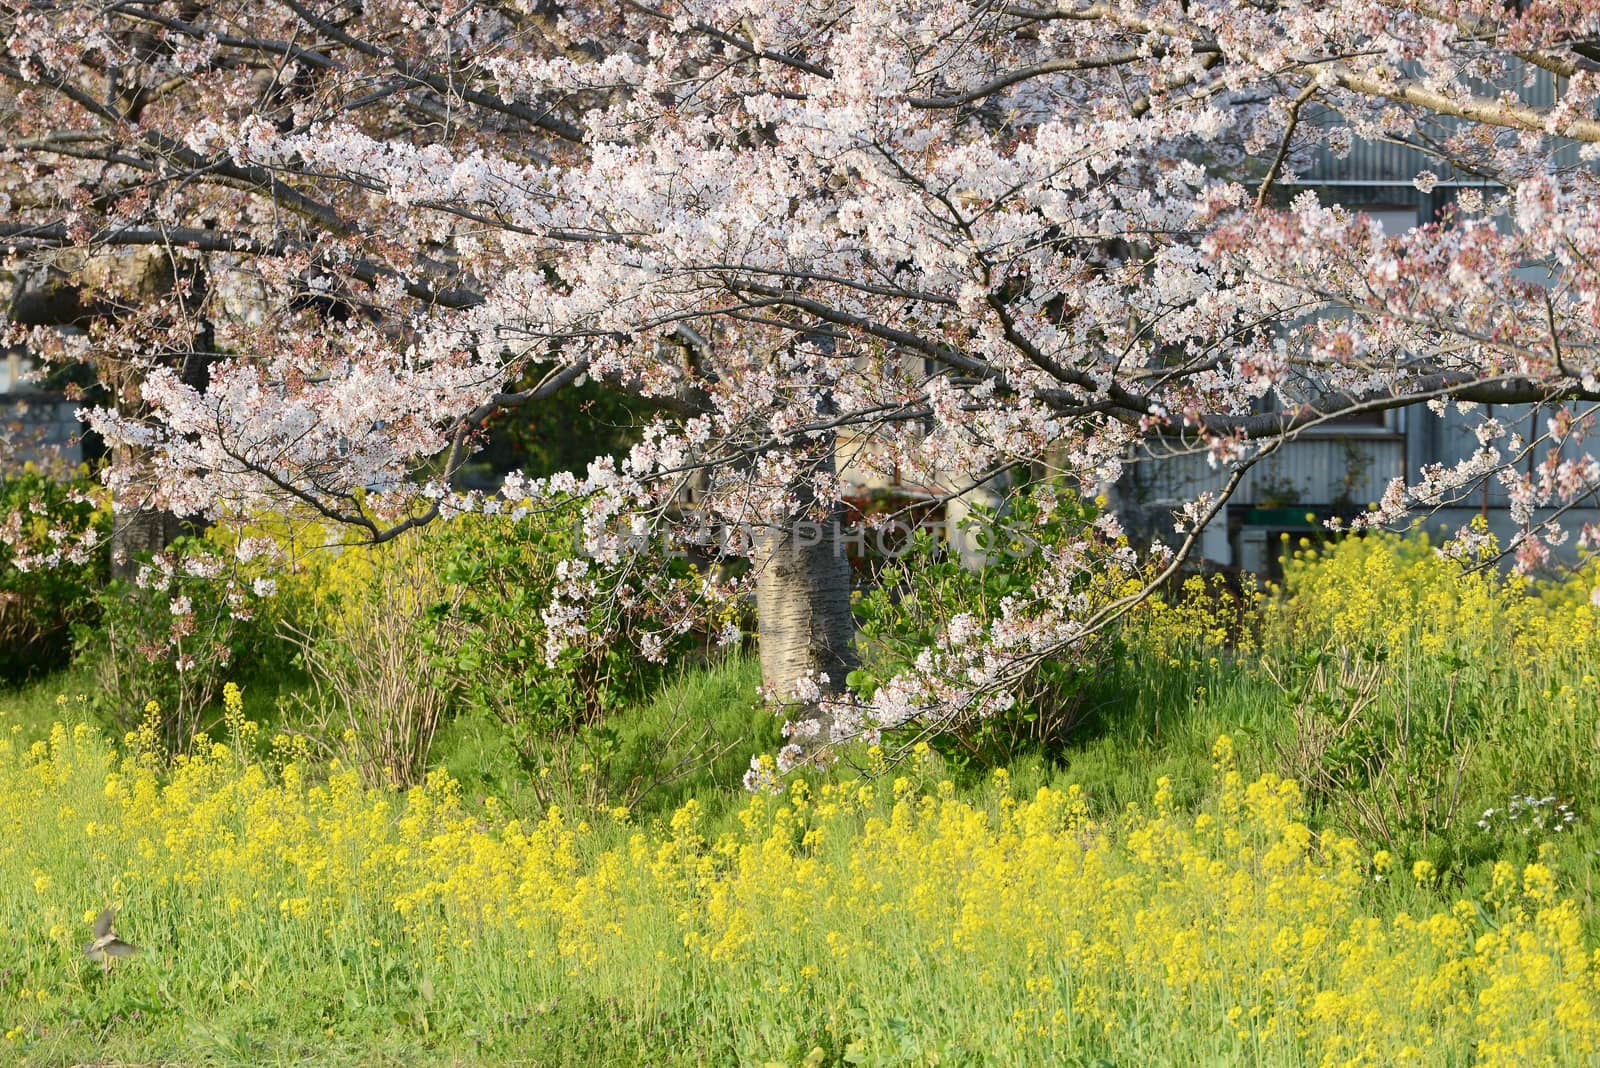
(106, 945)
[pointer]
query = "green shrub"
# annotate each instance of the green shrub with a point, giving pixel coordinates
(187, 622)
(504, 573)
(53, 558)
(926, 587)
(380, 659)
(452, 619)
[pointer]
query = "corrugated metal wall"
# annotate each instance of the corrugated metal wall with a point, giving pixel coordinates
(38, 427)
(1314, 472)
(1386, 163)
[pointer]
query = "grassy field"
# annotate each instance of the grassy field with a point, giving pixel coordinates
(1159, 890)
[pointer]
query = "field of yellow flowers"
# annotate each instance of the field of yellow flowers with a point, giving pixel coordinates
(872, 922)
(288, 914)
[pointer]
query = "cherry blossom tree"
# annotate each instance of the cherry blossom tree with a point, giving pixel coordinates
(956, 238)
(124, 279)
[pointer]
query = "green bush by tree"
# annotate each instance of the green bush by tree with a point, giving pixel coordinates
(191, 619)
(47, 517)
(924, 588)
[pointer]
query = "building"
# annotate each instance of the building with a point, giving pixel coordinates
(35, 425)
(1340, 468)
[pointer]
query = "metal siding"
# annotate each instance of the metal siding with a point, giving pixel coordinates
(1316, 468)
(1383, 163)
(40, 427)
(1381, 174)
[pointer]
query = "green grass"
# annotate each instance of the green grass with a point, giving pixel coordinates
(693, 737)
(70, 696)
(28, 709)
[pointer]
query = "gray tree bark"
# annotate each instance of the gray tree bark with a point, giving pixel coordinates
(136, 528)
(805, 628)
(139, 530)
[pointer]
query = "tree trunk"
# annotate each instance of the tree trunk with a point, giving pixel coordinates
(139, 530)
(804, 623)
